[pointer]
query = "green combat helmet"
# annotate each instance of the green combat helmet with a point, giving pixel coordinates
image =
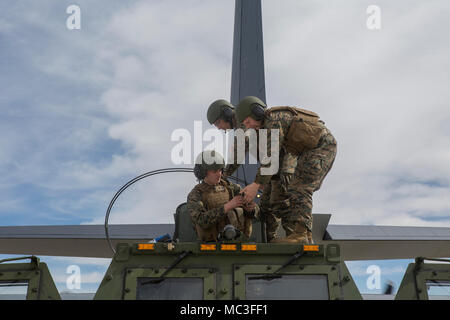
(207, 160)
(220, 108)
(250, 106)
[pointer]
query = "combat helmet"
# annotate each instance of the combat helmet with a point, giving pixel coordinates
(250, 106)
(220, 109)
(208, 160)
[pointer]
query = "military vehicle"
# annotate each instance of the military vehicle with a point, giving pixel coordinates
(179, 267)
(226, 270)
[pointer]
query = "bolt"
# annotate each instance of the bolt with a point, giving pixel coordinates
(224, 291)
(184, 270)
(211, 291)
(34, 290)
(109, 277)
(269, 268)
(237, 267)
(236, 283)
(127, 290)
(211, 270)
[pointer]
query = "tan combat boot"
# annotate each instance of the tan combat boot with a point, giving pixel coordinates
(300, 235)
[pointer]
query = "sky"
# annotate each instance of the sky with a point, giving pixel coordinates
(85, 110)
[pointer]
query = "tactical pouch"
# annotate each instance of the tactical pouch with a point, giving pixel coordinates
(304, 133)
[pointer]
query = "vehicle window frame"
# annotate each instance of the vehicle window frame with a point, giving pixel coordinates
(132, 275)
(241, 271)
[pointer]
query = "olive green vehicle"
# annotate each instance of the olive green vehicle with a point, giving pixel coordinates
(225, 271)
(183, 268)
(34, 277)
(426, 281)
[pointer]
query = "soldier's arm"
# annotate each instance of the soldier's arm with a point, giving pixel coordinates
(274, 127)
(234, 165)
(235, 188)
(253, 213)
(199, 215)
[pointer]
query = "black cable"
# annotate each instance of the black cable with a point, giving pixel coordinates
(129, 183)
(245, 177)
(132, 181)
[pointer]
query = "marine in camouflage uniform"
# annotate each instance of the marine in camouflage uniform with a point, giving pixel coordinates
(307, 150)
(206, 205)
(221, 114)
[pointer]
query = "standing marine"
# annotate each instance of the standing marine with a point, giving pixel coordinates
(215, 203)
(307, 150)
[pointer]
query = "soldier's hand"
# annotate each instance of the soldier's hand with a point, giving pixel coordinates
(250, 191)
(237, 201)
(250, 206)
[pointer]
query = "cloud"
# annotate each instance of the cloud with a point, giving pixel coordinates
(105, 99)
(378, 92)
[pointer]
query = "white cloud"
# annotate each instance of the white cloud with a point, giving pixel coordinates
(142, 69)
(153, 67)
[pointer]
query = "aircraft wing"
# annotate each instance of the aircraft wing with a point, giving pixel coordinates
(357, 242)
(75, 240)
(360, 242)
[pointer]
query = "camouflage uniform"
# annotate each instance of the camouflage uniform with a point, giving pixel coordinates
(288, 194)
(205, 204)
(233, 166)
(274, 197)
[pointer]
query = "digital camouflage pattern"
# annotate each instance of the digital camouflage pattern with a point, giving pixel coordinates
(205, 204)
(293, 205)
(312, 168)
(280, 120)
(288, 194)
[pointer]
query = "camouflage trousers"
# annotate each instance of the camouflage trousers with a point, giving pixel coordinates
(293, 204)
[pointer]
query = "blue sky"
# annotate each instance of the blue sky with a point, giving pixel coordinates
(84, 111)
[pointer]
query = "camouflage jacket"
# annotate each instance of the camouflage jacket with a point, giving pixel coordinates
(281, 120)
(206, 217)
